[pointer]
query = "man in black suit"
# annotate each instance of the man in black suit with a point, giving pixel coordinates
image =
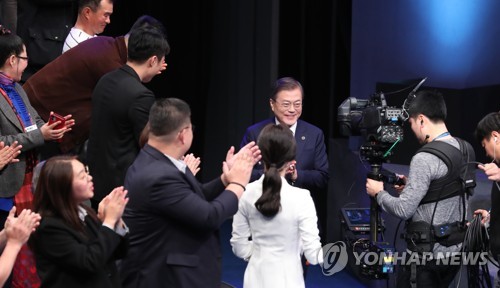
(173, 219)
(120, 109)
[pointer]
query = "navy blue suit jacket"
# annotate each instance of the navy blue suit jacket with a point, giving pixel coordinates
(173, 222)
(312, 161)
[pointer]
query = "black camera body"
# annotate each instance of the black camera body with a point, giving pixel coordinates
(379, 124)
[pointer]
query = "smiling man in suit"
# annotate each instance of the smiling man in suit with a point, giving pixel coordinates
(120, 109)
(311, 167)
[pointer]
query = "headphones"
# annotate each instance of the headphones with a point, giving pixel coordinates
(495, 139)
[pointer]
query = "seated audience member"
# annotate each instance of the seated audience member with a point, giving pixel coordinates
(174, 219)
(280, 218)
(66, 84)
(16, 232)
(93, 16)
(73, 246)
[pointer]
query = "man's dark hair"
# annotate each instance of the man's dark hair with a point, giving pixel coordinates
(92, 4)
(168, 115)
(488, 124)
(430, 104)
(145, 21)
(285, 84)
(146, 42)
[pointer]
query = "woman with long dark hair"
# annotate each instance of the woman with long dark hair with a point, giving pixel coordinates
(74, 246)
(280, 219)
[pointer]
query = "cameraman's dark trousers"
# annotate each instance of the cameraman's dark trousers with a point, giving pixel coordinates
(432, 274)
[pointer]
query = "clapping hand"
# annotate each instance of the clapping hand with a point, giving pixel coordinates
(239, 173)
(18, 229)
(251, 147)
(111, 208)
(8, 154)
(291, 170)
(192, 162)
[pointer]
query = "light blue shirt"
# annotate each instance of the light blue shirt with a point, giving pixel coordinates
(178, 163)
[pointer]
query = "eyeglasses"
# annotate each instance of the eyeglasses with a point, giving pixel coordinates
(286, 104)
(22, 57)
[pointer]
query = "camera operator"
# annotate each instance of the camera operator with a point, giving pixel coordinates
(488, 133)
(427, 114)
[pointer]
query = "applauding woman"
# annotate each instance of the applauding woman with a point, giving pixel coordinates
(280, 218)
(73, 246)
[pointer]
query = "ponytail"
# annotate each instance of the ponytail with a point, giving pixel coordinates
(278, 147)
(269, 202)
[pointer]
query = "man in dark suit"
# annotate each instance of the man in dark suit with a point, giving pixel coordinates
(43, 25)
(120, 109)
(65, 85)
(173, 219)
(311, 168)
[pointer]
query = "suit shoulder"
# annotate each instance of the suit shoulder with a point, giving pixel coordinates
(257, 127)
(310, 127)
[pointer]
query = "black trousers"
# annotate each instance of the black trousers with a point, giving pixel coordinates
(432, 274)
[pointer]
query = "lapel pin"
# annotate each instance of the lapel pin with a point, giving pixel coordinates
(303, 138)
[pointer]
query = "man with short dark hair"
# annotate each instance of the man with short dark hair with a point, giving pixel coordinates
(174, 219)
(488, 134)
(66, 84)
(433, 197)
(120, 109)
(311, 165)
(93, 16)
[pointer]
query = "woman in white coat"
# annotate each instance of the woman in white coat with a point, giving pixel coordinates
(280, 219)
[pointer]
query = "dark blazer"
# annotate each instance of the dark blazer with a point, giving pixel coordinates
(312, 161)
(495, 221)
(174, 222)
(12, 175)
(67, 258)
(43, 25)
(120, 110)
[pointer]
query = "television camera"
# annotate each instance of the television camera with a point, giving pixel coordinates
(380, 124)
(381, 127)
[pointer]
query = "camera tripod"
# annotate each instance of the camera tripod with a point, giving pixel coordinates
(375, 219)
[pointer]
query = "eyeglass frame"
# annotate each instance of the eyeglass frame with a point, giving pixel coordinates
(286, 105)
